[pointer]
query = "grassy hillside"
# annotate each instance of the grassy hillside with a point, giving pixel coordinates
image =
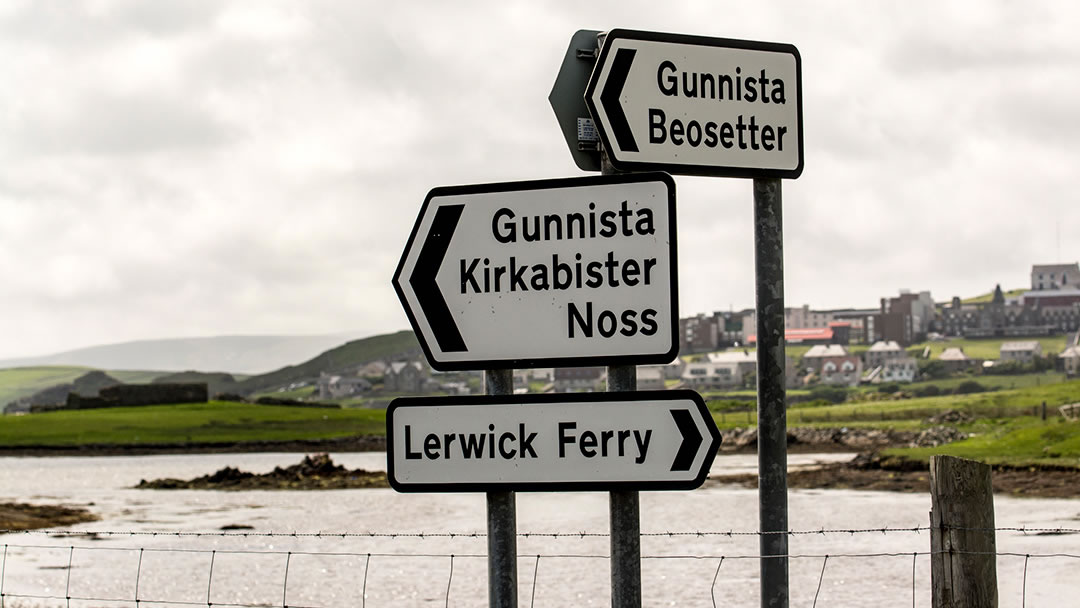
(21, 382)
(214, 422)
(987, 349)
(988, 296)
(216, 382)
(987, 380)
(18, 382)
(136, 376)
(346, 355)
(909, 413)
(1020, 442)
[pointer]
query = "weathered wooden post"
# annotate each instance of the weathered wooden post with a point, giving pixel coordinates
(963, 554)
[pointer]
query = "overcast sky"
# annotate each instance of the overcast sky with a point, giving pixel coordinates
(195, 168)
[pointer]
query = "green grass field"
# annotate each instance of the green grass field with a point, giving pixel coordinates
(1017, 442)
(910, 413)
(986, 349)
(1008, 430)
(987, 380)
(214, 422)
(301, 393)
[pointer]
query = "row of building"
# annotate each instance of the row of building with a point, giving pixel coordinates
(827, 364)
(1051, 306)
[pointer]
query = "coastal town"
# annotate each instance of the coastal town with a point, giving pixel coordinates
(837, 347)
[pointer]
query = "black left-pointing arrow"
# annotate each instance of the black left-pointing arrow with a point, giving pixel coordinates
(609, 98)
(691, 440)
(428, 294)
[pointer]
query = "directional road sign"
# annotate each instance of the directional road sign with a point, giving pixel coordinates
(565, 272)
(651, 440)
(700, 106)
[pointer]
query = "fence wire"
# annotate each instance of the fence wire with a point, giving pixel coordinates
(137, 598)
(554, 535)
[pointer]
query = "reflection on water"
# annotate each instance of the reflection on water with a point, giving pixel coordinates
(415, 570)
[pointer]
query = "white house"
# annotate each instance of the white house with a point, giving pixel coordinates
(882, 351)
(816, 356)
(1023, 352)
(333, 386)
(1070, 360)
(841, 371)
(745, 361)
(712, 376)
(650, 378)
(1055, 276)
(899, 370)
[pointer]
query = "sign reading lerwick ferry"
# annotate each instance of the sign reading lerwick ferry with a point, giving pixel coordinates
(700, 106)
(649, 440)
(565, 272)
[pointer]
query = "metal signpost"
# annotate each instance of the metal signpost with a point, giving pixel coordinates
(648, 440)
(574, 272)
(727, 108)
(563, 272)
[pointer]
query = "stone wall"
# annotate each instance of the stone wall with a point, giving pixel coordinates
(155, 394)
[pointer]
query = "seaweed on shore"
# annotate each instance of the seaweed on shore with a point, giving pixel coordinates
(20, 516)
(314, 472)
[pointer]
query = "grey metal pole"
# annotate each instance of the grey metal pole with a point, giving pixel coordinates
(625, 513)
(623, 506)
(772, 410)
(501, 519)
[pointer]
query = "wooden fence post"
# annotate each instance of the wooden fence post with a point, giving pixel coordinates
(963, 560)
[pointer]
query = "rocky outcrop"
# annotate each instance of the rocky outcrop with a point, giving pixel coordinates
(315, 472)
(855, 439)
(938, 435)
(951, 417)
(295, 403)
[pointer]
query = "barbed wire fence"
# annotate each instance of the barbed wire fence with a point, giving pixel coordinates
(42, 567)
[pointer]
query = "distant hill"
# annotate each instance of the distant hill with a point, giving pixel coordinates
(216, 382)
(986, 297)
(234, 354)
(402, 343)
(25, 381)
(86, 385)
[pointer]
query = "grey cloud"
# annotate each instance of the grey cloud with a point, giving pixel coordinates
(108, 125)
(1045, 113)
(79, 26)
(944, 52)
(167, 18)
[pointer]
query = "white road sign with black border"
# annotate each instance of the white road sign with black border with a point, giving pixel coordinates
(548, 273)
(650, 440)
(697, 105)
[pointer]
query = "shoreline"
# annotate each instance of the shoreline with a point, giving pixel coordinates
(361, 443)
(870, 472)
(738, 440)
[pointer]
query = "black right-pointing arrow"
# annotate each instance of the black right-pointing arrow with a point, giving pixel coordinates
(691, 440)
(428, 294)
(609, 98)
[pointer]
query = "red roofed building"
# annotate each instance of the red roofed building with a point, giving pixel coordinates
(838, 332)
